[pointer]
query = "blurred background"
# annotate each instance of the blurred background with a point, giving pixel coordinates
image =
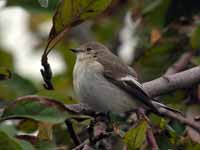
(156, 37)
(149, 35)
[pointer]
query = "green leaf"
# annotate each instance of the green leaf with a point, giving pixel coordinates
(44, 145)
(26, 145)
(15, 87)
(10, 143)
(62, 137)
(72, 12)
(45, 131)
(178, 127)
(36, 108)
(156, 60)
(135, 137)
(6, 58)
(151, 10)
(8, 129)
(152, 6)
(196, 60)
(5, 74)
(158, 121)
(27, 126)
(163, 141)
(68, 14)
(195, 38)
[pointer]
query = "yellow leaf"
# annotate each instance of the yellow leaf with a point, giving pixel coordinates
(135, 137)
(155, 36)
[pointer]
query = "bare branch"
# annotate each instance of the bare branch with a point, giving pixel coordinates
(164, 85)
(182, 119)
(151, 139)
(72, 133)
(155, 88)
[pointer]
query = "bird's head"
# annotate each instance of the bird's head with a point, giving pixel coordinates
(89, 50)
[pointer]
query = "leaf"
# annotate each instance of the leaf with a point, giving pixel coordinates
(27, 126)
(155, 12)
(45, 145)
(195, 37)
(155, 36)
(61, 137)
(8, 129)
(195, 60)
(26, 145)
(178, 127)
(6, 59)
(73, 12)
(135, 137)
(158, 121)
(163, 140)
(15, 87)
(36, 108)
(45, 131)
(9, 143)
(68, 14)
(5, 74)
(156, 60)
(152, 6)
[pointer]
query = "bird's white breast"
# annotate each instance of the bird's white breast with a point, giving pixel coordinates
(95, 90)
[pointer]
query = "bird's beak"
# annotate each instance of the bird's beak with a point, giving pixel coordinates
(74, 50)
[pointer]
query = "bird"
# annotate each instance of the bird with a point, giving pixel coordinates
(106, 84)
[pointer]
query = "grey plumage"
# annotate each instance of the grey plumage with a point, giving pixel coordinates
(105, 83)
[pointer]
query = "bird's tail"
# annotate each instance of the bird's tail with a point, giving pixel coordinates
(159, 105)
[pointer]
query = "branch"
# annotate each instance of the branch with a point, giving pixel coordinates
(151, 139)
(185, 120)
(167, 113)
(99, 132)
(72, 133)
(157, 87)
(164, 85)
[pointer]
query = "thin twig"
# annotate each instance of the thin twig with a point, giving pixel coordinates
(164, 85)
(91, 131)
(151, 139)
(180, 118)
(172, 115)
(87, 142)
(81, 145)
(72, 133)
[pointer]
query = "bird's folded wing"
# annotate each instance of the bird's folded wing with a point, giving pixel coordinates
(130, 85)
(124, 77)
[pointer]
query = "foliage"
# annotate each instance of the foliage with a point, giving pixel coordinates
(135, 137)
(167, 30)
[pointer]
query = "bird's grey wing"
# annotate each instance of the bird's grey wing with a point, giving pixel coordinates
(125, 78)
(133, 88)
(113, 65)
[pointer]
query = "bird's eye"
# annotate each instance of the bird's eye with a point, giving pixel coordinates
(89, 49)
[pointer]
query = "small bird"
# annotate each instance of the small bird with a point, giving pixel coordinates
(103, 82)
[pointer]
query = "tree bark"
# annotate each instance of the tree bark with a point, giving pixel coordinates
(169, 83)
